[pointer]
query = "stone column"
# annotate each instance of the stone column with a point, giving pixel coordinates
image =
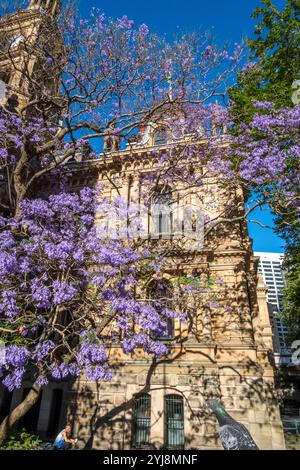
(262, 326)
(157, 418)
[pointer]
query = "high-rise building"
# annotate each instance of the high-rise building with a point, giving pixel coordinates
(270, 266)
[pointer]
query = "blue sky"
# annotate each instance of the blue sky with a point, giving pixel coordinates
(229, 20)
(264, 239)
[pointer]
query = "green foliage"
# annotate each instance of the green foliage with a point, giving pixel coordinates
(275, 55)
(21, 440)
(288, 227)
(194, 281)
(187, 281)
(275, 52)
(291, 293)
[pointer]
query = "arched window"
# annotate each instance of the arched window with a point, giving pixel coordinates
(162, 215)
(160, 136)
(160, 296)
(174, 422)
(141, 421)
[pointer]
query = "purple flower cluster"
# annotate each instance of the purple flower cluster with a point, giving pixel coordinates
(52, 261)
(8, 304)
(14, 367)
(63, 370)
(92, 357)
(143, 341)
(91, 354)
(62, 292)
(41, 350)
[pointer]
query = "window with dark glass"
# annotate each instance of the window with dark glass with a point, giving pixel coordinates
(55, 411)
(162, 215)
(160, 136)
(174, 422)
(141, 421)
(160, 296)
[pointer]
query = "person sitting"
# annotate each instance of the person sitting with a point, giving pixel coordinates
(63, 440)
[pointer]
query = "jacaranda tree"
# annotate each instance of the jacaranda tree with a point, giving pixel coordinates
(67, 293)
(272, 75)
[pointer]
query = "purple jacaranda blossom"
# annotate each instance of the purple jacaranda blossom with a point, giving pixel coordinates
(58, 276)
(265, 105)
(41, 294)
(8, 304)
(14, 379)
(214, 304)
(125, 23)
(42, 381)
(248, 67)
(16, 356)
(143, 29)
(63, 292)
(3, 153)
(261, 154)
(91, 352)
(42, 349)
(98, 273)
(63, 370)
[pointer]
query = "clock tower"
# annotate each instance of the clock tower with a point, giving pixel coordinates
(25, 40)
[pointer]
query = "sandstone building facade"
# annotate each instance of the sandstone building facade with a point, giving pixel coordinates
(225, 353)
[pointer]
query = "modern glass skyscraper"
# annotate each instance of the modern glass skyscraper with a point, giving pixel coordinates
(270, 266)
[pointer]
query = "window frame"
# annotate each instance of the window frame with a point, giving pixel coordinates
(178, 423)
(160, 136)
(141, 424)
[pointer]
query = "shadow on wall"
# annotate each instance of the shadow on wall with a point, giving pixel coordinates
(104, 417)
(110, 426)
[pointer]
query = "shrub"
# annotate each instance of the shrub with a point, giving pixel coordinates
(21, 440)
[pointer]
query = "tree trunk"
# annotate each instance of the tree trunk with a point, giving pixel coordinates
(17, 413)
